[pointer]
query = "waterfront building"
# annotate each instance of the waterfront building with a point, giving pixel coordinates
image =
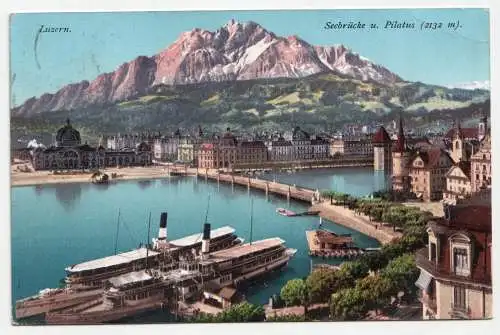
(400, 157)
(481, 165)
(251, 152)
(301, 144)
(129, 141)
(427, 171)
(351, 146)
(68, 153)
(165, 149)
(320, 148)
(458, 183)
(455, 267)
(382, 145)
(187, 151)
(280, 150)
(219, 153)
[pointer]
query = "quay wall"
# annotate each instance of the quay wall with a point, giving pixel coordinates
(361, 161)
(346, 217)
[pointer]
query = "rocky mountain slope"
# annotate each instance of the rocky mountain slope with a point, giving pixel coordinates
(235, 52)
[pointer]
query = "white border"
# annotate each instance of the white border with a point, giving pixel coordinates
(436, 327)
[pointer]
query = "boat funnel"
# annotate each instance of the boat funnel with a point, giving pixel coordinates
(162, 234)
(205, 243)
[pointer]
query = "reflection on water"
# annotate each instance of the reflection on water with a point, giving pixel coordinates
(94, 216)
(67, 195)
(355, 181)
(144, 184)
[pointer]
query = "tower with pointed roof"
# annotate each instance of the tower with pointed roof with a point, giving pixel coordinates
(400, 157)
(482, 127)
(382, 144)
(458, 151)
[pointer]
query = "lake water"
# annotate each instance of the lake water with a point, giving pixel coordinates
(54, 226)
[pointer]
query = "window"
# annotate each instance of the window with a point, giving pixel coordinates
(459, 297)
(433, 252)
(460, 261)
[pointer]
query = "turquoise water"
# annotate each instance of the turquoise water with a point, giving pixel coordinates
(56, 226)
(354, 181)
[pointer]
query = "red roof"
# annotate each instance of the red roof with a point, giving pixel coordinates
(381, 136)
(207, 146)
(430, 157)
(475, 222)
(467, 133)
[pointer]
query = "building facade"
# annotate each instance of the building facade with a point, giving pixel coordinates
(251, 152)
(166, 149)
(350, 146)
(458, 183)
(455, 267)
(280, 150)
(427, 171)
(481, 165)
(68, 153)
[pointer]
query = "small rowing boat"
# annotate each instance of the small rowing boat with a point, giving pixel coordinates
(285, 212)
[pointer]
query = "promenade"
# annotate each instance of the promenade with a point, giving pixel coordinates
(361, 223)
(337, 214)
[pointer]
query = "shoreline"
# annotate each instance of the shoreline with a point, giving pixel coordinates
(345, 217)
(19, 179)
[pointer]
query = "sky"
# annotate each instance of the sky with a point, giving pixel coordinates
(100, 42)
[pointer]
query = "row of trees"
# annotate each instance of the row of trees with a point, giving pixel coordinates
(243, 312)
(374, 279)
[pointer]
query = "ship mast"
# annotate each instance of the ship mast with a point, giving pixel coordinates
(117, 231)
(208, 207)
(147, 243)
(251, 220)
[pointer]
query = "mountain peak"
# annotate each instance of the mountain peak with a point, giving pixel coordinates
(236, 51)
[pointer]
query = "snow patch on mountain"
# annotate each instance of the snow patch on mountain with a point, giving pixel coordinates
(473, 85)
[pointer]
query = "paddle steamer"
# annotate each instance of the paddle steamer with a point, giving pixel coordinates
(136, 292)
(84, 282)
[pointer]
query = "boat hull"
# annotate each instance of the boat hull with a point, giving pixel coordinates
(42, 305)
(102, 316)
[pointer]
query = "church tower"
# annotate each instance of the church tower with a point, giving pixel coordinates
(483, 127)
(458, 152)
(400, 158)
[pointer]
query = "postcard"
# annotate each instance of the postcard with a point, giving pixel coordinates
(250, 166)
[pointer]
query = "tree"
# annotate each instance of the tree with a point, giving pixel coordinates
(348, 304)
(328, 194)
(320, 285)
(402, 273)
(243, 312)
(294, 292)
(376, 290)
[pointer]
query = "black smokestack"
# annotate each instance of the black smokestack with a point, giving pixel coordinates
(163, 220)
(206, 231)
(162, 234)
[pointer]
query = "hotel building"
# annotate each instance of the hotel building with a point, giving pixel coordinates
(455, 268)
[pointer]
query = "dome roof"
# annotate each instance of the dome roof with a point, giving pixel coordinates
(68, 134)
